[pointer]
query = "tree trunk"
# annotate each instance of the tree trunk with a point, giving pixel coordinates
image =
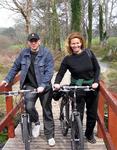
(55, 28)
(76, 15)
(100, 23)
(25, 10)
(90, 11)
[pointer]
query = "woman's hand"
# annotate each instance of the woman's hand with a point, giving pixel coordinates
(57, 86)
(95, 85)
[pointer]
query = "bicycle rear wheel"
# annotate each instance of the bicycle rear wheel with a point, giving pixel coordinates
(26, 131)
(77, 140)
(64, 116)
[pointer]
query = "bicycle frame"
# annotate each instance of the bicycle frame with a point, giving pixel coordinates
(72, 119)
(26, 126)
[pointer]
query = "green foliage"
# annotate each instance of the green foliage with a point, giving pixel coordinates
(95, 41)
(16, 46)
(103, 51)
(3, 138)
(112, 41)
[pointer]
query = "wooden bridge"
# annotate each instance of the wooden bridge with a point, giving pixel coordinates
(40, 143)
(105, 132)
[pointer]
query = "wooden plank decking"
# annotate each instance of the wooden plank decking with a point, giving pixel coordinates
(40, 143)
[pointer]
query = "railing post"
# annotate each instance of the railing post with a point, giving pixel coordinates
(9, 107)
(101, 110)
(112, 126)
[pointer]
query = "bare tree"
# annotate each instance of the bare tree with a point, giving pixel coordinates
(23, 7)
(110, 5)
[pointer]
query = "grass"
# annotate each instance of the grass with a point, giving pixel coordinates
(16, 46)
(112, 80)
(103, 50)
(112, 41)
(3, 134)
(113, 65)
(3, 69)
(2, 105)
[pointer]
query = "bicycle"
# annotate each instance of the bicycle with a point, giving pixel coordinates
(70, 117)
(26, 125)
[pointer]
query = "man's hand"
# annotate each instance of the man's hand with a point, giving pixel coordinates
(95, 85)
(57, 86)
(40, 89)
(4, 83)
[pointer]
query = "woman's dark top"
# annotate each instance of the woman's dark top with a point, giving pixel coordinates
(81, 66)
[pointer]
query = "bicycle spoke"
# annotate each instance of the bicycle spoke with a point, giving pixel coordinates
(64, 117)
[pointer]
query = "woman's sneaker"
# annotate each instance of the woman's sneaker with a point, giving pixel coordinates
(36, 131)
(51, 142)
(91, 139)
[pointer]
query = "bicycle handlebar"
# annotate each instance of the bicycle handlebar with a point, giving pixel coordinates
(67, 88)
(11, 93)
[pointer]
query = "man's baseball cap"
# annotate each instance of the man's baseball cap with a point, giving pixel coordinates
(33, 36)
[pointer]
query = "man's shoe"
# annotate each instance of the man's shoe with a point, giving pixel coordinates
(51, 142)
(36, 131)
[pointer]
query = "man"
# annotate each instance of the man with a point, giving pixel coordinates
(36, 66)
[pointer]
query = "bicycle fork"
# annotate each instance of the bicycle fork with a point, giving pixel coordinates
(25, 122)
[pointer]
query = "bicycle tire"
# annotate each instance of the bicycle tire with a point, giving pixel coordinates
(77, 139)
(64, 116)
(25, 131)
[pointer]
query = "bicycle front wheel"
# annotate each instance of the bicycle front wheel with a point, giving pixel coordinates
(25, 131)
(77, 140)
(64, 116)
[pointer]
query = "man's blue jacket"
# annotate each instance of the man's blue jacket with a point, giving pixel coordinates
(43, 66)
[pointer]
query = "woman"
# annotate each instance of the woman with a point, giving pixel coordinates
(84, 70)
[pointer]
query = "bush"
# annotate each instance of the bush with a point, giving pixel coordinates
(5, 42)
